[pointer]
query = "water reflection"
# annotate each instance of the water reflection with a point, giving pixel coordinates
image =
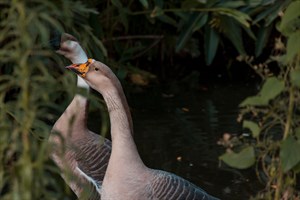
(180, 133)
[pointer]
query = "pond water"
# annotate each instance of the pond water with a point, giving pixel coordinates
(178, 132)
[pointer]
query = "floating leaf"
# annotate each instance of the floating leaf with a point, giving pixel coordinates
(254, 128)
(242, 160)
(289, 153)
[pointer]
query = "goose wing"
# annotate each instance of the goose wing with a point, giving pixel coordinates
(86, 162)
(169, 186)
(92, 159)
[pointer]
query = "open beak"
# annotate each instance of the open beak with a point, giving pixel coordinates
(80, 69)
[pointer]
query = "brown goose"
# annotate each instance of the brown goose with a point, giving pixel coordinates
(127, 178)
(81, 154)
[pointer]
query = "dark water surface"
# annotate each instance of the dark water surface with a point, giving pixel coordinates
(179, 134)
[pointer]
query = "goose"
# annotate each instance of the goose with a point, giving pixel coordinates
(127, 177)
(81, 154)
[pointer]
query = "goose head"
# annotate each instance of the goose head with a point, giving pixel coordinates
(96, 74)
(71, 49)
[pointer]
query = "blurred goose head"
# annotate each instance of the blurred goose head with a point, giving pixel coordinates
(71, 49)
(96, 74)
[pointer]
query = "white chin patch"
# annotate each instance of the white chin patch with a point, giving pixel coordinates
(81, 83)
(80, 58)
(79, 55)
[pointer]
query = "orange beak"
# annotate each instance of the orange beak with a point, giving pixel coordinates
(80, 69)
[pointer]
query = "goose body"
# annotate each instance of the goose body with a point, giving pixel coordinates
(126, 177)
(81, 154)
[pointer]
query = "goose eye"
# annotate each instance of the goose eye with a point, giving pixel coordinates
(96, 69)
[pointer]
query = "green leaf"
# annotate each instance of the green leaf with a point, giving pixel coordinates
(242, 160)
(270, 14)
(295, 77)
(277, 9)
(240, 17)
(254, 128)
(194, 20)
(144, 3)
(262, 38)
(289, 153)
(293, 45)
(200, 23)
(271, 89)
(291, 14)
(211, 41)
(249, 32)
(253, 101)
(233, 32)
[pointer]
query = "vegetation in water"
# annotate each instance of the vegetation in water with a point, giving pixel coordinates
(272, 116)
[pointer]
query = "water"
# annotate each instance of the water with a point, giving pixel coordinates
(179, 133)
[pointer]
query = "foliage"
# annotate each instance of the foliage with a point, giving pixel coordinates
(273, 116)
(153, 29)
(33, 91)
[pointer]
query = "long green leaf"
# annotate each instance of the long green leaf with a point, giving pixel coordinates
(188, 29)
(211, 41)
(233, 32)
(240, 17)
(262, 38)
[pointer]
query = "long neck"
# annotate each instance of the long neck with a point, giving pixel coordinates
(72, 123)
(124, 150)
(79, 104)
